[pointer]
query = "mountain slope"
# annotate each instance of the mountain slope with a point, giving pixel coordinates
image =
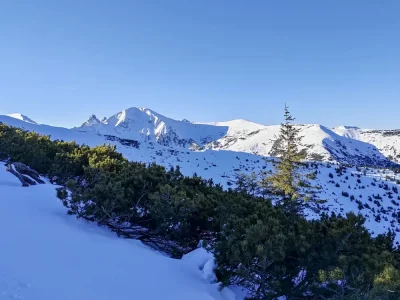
(95, 263)
(22, 117)
(147, 134)
(387, 141)
(148, 127)
(319, 143)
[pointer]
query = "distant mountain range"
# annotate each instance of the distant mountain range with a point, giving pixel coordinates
(146, 129)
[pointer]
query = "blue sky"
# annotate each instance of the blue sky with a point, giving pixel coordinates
(333, 62)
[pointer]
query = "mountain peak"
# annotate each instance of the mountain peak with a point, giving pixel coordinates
(91, 121)
(22, 118)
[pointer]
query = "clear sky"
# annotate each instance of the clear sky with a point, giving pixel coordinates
(334, 62)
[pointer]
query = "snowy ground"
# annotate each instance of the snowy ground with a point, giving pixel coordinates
(47, 255)
(374, 193)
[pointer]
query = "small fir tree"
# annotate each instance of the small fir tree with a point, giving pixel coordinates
(289, 182)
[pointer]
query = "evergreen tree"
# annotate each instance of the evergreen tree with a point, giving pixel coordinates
(248, 184)
(288, 182)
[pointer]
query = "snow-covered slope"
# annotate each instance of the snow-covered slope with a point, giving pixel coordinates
(46, 254)
(22, 118)
(387, 141)
(93, 120)
(142, 134)
(148, 128)
(143, 124)
(56, 133)
(374, 193)
(319, 143)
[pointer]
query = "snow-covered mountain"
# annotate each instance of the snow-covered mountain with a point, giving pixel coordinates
(319, 143)
(149, 134)
(93, 120)
(22, 117)
(157, 135)
(143, 124)
(147, 127)
(387, 141)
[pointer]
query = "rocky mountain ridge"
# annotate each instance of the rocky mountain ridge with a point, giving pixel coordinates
(142, 127)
